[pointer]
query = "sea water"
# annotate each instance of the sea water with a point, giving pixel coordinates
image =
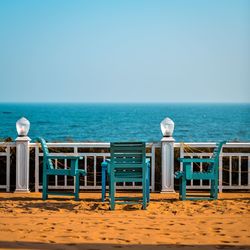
(128, 122)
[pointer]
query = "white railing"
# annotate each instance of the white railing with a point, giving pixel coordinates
(6, 153)
(234, 169)
(93, 169)
(232, 157)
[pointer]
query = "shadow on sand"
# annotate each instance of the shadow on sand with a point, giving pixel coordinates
(85, 246)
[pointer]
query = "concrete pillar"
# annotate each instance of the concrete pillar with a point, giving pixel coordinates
(167, 164)
(22, 164)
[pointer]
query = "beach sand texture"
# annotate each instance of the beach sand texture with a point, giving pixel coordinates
(28, 222)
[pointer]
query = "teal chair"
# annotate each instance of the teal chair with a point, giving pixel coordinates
(211, 174)
(127, 163)
(49, 169)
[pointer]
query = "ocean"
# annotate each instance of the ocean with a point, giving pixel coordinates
(128, 122)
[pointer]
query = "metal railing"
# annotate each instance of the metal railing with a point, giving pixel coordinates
(234, 167)
(91, 180)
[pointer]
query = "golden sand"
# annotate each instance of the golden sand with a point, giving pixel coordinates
(28, 222)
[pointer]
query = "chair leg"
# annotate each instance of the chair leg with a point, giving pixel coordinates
(183, 188)
(45, 187)
(108, 179)
(147, 183)
(77, 187)
(144, 191)
(211, 189)
(180, 188)
(148, 190)
(103, 184)
(112, 195)
(214, 189)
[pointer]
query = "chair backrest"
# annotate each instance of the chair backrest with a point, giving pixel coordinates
(49, 162)
(128, 155)
(215, 156)
(217, 150)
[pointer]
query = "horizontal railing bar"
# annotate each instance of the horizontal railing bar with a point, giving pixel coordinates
(221, 154)
(9, 144)
(92, 187)
(197, 154)
(236, 187)
(85, 144)
(74, 144)
(224, 187)
(235, 154)
(77, 154)
(149, 144)
(212, 144)
(84, 154)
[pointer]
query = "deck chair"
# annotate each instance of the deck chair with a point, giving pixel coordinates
(212, 174)
(49, 169)
(128, 163)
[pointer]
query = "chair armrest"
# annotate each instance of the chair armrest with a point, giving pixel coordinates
(178, 174)
(190, 160)
(105, 163)
(73, 161)
(148, 168)
(105, 166)
(64, 157)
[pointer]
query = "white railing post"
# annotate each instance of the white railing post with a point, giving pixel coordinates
(22, 156)
(153, 168)
(8, 169)
(22, 164)
(220, 174)
(167, 164)
(248, 169)
(37, 168)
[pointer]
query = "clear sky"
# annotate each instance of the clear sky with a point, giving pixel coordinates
(125, 51)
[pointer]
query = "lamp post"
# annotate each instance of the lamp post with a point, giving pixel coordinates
(22, 156)
(167, 156)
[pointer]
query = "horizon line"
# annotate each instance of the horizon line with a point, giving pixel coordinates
(123, 102)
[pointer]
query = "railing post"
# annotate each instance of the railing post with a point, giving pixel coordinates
(37, 168)
(153, 168)
(8, 170)
(167, 164)
(220, 174)
(22, 164)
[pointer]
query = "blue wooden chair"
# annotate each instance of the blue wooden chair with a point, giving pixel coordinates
(49, 169)
(212, 174)
(128, 163)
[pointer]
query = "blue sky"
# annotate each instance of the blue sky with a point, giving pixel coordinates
(125, 51)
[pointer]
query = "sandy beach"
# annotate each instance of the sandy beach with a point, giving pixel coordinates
(28, 222)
